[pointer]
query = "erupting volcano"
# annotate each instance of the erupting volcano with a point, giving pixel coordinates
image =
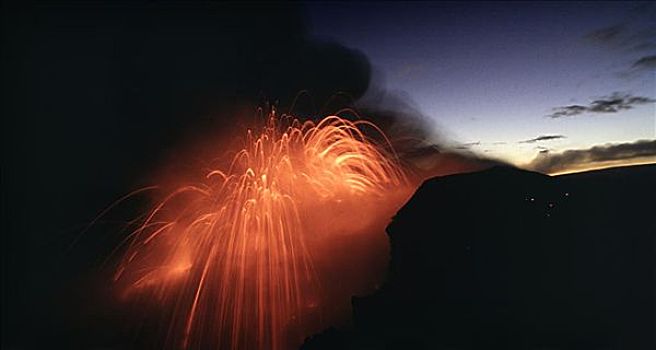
(237, 258)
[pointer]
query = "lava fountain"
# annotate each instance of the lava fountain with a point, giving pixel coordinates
(238, 257)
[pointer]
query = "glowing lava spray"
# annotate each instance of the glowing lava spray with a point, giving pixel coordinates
(233, 254)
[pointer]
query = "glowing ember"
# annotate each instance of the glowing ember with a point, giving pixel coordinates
(234, 255)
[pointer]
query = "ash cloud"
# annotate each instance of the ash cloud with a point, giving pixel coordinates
(543, 138)
(606, 105)
(142, 77)
(105, 93)
(96, 97)
(417, 139)
(548, 163)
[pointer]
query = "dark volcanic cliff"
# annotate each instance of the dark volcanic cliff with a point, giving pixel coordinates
(506, 258)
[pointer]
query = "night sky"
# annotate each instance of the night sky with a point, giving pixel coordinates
(490, 75)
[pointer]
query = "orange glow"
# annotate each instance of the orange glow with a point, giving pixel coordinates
(241, 257)
(579, 168)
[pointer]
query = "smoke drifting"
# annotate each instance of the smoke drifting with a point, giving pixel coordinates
(597, 156)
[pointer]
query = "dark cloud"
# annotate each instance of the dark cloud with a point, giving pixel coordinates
(103, 95)
(607, 34)
(477, 143)
(542, 149)
(398, 115)
(547, 162)
(567, 111)
(468, 145)
(647, 62)
(609, 104)
(544, 138)
(636, 34)
(616, 103)
(625, 37)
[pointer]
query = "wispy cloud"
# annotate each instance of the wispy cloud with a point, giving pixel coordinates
(609, 104)
(567, 111)
(606, 35)
(543, 138)
(625, 37)
(468, 145)
(549, 163)
(635, 35)
(635, 32)
(542, 149)
(647, 62)
(478, 144)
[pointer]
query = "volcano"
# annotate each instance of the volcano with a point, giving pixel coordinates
(511, 259)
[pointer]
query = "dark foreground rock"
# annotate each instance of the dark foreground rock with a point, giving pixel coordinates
(510, 259)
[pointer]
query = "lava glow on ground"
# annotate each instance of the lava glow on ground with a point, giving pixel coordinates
(264, 253)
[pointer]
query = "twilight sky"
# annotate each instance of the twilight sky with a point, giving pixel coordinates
(514, 81)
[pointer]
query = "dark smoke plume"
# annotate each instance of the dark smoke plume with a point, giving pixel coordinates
(96, 95)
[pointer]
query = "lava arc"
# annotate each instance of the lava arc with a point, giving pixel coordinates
(235, 255)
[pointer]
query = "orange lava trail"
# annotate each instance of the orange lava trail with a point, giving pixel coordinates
(232, 253)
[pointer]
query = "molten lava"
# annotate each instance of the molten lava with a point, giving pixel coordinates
(241, 258)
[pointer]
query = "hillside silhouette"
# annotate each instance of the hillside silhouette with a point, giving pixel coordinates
(510, 259)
